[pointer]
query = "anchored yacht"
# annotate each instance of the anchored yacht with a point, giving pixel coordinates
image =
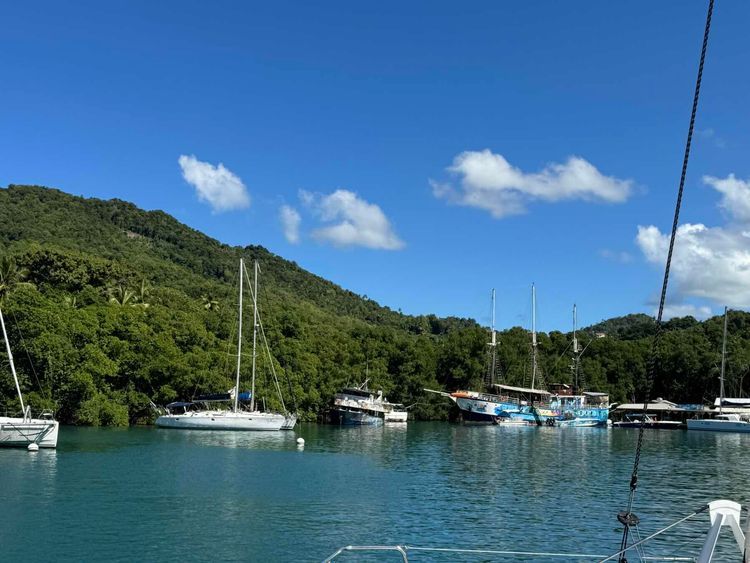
(26, 431)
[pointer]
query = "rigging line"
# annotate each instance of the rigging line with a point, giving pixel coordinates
(265, 342)
(270, 361)
(639, 550)
(47, 392)
(652, 536)
(657, 335)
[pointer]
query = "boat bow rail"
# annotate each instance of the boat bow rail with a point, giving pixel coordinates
(722, 513)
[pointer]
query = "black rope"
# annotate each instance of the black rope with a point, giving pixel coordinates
(627, 517)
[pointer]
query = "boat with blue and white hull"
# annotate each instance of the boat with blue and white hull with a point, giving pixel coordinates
(504, 403)
(579, 409)
(360, 406)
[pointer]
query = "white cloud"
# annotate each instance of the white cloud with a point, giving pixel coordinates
(216, 185)
(290, 222)
(356, 222)
(709, 262)
(685, 310)
(735, 196)
(490, 182)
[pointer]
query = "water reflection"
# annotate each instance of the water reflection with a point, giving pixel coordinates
(230, 439)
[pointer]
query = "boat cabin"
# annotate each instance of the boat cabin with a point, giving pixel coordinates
(730, 417)
(659, 410)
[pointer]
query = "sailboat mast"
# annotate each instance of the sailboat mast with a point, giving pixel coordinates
(723, 362)
(493, 344)
(575, 348)
(533, 335)
(12, 366)
(239, 341)
(255, 334)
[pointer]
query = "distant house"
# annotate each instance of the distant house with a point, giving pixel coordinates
(600, 334)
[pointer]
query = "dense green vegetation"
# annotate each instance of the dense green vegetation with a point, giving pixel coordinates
(109, 307)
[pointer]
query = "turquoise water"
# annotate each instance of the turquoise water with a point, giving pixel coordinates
(146, 494)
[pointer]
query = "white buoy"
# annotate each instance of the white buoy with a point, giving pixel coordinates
(32, 447)
(300, 441)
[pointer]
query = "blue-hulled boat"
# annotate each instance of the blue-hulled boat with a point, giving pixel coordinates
(359, 406)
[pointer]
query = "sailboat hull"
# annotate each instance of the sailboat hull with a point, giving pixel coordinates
(714, 425)
(19, 432)
(225, 420)
(481, 408)
(353, 417)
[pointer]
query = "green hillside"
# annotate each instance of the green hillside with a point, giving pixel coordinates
(109, 307)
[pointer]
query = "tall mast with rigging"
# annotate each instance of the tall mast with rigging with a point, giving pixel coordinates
(533, 335)
(493, 346)
(723, 362)
(239, 341)
(576, 355)
(255, 333)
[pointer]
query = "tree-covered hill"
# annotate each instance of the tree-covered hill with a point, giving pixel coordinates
(109, 307)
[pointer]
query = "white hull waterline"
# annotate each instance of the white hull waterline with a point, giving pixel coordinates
(719, 425)
(227, 420)
(19, 432)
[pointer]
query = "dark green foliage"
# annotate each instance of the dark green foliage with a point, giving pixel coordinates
(110, 307)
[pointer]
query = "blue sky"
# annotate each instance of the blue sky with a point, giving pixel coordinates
(430, 151)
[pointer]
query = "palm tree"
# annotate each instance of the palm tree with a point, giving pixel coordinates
(11, 276)
(209, 302)
(143, 294)
(121, 295)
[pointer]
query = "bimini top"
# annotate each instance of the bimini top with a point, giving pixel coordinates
(219, 397)
(210, 397)
(522, 390)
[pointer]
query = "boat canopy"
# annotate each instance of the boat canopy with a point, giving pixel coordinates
(210, 397)
(220, 397)
(733, 402)
(522, 390)
(653, 406)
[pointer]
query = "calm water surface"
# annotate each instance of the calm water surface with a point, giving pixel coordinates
(146, 494)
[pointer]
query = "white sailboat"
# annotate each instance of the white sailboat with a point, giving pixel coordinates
(193, 416)
(33, 433)
(722, 422)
